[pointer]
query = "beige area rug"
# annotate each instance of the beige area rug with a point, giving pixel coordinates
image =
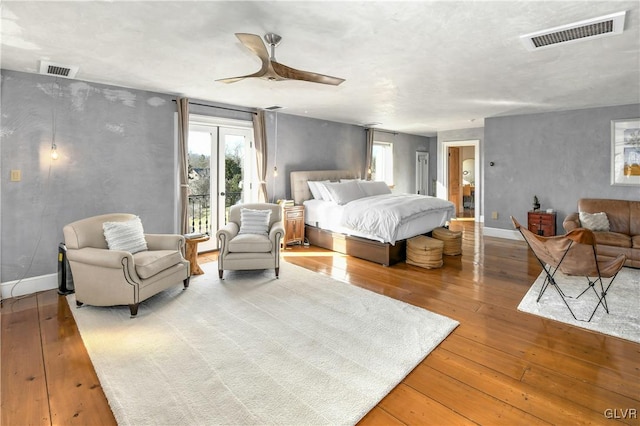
(623, 299)
(304, 349)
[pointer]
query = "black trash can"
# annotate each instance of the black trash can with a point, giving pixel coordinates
(65, 279)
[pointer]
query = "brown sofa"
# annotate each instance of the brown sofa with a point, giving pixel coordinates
(624, 227)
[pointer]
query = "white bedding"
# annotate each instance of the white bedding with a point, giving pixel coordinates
(385, 218)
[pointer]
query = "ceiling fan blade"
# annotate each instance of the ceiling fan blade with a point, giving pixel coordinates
(294, 74)
(255, 44)
(260, 73)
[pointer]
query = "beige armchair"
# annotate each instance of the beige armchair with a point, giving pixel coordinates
(104, 277)
(248, 250)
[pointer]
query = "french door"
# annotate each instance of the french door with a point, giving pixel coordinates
(222, 172)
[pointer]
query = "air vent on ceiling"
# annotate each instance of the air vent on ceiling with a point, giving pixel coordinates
(274, 108)
(589, 29)
(58, 70)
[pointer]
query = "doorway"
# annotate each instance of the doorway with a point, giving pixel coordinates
(222, 173)
(461, 177)
(422, 173)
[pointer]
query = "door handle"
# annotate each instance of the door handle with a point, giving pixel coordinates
(222, 194)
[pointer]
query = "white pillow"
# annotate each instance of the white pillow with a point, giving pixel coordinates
(373, 187)
(595, 221)
(342, 193)
(324, 192)
(126, 236)
(315, 188)
(254, 221)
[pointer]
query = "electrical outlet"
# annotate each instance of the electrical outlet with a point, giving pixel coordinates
(494, 215)
(16, 175)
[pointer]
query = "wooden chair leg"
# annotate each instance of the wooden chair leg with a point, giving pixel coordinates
(277, 272)
(134, 309)
(78, 303)
(186, 282)
(220, 271)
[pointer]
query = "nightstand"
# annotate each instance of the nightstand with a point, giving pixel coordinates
(293, 225)
(542, 223)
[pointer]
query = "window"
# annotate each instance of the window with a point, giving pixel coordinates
(382, 162)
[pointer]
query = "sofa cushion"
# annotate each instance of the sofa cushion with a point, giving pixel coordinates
(149, 263)
(613, 239)
(635, 241)
(594, 221)
(250, 243)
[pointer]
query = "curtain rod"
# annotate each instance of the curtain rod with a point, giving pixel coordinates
(219, 107)
(382, 130)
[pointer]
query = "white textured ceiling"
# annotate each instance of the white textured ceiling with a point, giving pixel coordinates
(416, 67)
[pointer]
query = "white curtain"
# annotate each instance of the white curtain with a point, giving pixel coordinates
(183, 146)
(369, 154)
(260, 139)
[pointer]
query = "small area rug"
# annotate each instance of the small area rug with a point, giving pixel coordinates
(623, 319)
(250, 349)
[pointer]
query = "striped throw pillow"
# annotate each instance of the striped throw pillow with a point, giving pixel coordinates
(254, 221)
(126, 236)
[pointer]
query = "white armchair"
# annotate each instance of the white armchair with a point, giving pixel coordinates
(104, 277)
(248, 250)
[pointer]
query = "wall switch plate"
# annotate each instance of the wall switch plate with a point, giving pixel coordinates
(16, 175)
(494, 215)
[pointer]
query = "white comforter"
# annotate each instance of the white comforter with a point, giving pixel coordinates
(383, 214)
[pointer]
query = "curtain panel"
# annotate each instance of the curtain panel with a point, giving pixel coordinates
(369, 154)
(260, 140)
(183, 144)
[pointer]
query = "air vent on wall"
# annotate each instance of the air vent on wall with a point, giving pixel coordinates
(58, 70)
(584, 30)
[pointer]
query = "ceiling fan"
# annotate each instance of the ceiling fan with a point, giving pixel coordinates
(273, 70)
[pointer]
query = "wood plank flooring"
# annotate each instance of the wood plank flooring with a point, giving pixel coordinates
(499, 367)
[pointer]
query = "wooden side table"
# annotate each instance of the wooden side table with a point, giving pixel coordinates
(192, 253)
(293, 225)
(542, 223)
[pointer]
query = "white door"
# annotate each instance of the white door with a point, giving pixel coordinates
(222, 172)
(422, 173)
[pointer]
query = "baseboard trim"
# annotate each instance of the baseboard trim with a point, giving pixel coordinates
(509, 234)
(29, 285)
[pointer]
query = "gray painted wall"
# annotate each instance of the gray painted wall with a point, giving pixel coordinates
(117, 154)
(117, 149)
(560, 157)
(309, 144)
(404, 158)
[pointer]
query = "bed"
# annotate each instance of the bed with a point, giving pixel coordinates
(332, 226)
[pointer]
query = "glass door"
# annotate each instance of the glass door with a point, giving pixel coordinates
(222, 172)
(237, 170)
(201, 141)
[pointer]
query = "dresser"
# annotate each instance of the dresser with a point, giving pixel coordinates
(542, 223)
(293, 225)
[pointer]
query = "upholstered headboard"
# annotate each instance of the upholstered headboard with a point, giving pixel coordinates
(300, 190)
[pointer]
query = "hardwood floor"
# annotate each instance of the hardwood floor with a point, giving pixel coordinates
(499, 366)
